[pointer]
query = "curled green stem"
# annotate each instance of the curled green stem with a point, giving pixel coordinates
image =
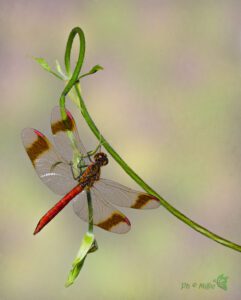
(74, 78)
(74, 83)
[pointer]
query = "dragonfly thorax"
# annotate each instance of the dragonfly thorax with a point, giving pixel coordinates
(101, 158)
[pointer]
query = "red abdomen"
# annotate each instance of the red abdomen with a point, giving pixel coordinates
(58, 207)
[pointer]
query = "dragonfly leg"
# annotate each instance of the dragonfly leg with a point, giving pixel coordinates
(74, 176)
(81, 169)
(93, 152)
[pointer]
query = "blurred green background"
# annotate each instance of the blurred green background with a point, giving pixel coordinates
(169, 101)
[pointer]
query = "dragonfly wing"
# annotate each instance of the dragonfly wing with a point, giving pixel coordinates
(121, 195)
(66, 137)
(105, 215)
(51, 169)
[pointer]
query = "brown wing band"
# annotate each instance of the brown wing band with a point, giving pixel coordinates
(113, 221)
(61, 125)
(142, 200)
(37, 148)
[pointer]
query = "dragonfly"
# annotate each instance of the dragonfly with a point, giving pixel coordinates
(69, 170)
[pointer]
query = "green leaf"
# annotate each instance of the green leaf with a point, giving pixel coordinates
(59, 69)
(88, 245)
(95, 69)
(42, 62)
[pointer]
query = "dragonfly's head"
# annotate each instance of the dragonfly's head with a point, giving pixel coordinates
(101, 158)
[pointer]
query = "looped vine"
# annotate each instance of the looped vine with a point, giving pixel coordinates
(116, 156)
(73, 82)
(74, 77)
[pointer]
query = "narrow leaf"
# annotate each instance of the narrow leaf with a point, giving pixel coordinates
(59, 69)
(95, 69)
(92, 71)
(42, 62)
(88, 245)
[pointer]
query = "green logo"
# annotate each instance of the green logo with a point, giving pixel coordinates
(220, 282)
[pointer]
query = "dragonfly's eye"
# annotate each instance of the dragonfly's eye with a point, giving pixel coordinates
(101, 158)
(105, 160)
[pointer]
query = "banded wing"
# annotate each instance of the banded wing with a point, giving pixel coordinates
(66, 137)
(121, 195)
(50, 167)
(105, 215)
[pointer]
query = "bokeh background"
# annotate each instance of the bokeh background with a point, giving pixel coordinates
(169, 101)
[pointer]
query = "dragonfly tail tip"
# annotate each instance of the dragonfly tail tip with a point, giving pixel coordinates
(37, 229)
(35, 232)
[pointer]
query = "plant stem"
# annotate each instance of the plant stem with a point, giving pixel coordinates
(74, 83)
(74, 77)
(146, 187)
(90, 211)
